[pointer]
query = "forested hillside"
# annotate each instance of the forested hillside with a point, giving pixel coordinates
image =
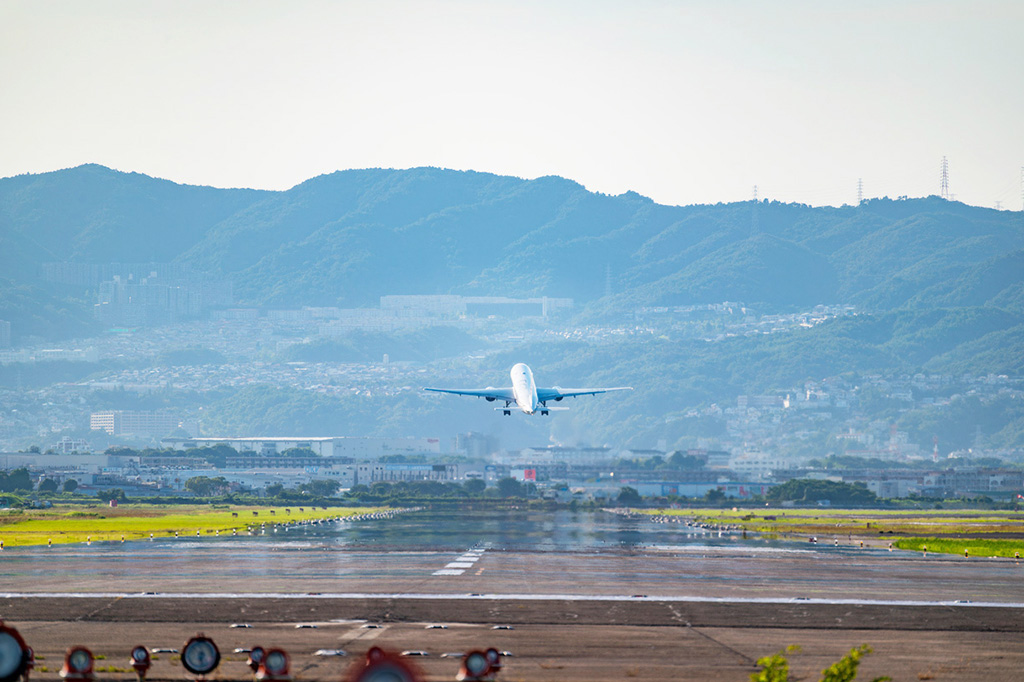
(349, 237)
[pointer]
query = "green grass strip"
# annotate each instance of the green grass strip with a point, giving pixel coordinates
(973, 546)
(132, 522)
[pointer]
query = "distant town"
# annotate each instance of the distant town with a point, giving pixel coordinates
(817, 429)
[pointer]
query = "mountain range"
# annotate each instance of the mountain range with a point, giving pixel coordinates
(346, 238)
(938, 288)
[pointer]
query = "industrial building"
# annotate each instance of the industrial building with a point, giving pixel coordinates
(324, 446)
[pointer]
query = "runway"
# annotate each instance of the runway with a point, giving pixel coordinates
(515, 554)
(591, 596)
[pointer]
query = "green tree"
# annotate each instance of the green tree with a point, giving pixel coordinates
(204, 486)
(48, 485)
(274, 489)
(628, 495)
(17, 479)
(70, 485)
(810, 491)
(845, 669)
(714, 496)
(322, 488)
(217, 455)
(475, 486)
(510, 487)
(683, 462)
(112, 494)
(775, 668)
(380, 488)
(298, 452)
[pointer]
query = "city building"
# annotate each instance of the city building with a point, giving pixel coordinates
(49, 355)
(67, 445)
(132, 423)
(159, 293)
(475, 306)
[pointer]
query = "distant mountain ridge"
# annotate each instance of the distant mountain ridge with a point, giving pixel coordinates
(349, 237)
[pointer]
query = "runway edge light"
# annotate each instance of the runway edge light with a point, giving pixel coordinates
(140, 662)
(14, 654)
(255, 658)
(78, 663)
(200, 656)
(275, 667)
(494, 658)
(382, 666)
(476, 666)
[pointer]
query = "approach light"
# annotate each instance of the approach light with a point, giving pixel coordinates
(475, 666)
(381, 666)
(140, 661)
(14, 654)
(255, 657)
(78, 663)
(200, 655)
(275, 666)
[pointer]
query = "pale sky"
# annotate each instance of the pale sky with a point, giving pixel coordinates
(685, 102)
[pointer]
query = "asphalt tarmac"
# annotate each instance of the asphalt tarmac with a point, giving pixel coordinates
(602, 599)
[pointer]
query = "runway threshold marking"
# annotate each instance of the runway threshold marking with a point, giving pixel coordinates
(458, 567)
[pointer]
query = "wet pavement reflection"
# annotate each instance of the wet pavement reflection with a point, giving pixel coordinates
(506, 552)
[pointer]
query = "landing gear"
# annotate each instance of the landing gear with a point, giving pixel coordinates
(506, 412)
(544, 413)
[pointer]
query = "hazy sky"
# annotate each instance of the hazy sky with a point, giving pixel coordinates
(684, 102)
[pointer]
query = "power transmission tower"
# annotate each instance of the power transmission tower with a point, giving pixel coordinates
(860, 191)
(944, 191)
(754, 227)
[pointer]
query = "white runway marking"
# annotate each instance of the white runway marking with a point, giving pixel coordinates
(459, 566)
(499, 597)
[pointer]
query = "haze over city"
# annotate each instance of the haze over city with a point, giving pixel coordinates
(683, 102)
(328, 325)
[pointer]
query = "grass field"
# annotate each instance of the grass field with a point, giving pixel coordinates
(981, 533)
(979, 547)
(101, 523)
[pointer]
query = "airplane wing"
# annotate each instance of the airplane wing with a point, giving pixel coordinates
(557, 393)
(490, 392)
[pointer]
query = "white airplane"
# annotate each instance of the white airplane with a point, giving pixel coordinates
(524, 393)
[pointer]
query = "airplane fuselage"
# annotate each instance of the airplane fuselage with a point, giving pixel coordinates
(524, 389)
